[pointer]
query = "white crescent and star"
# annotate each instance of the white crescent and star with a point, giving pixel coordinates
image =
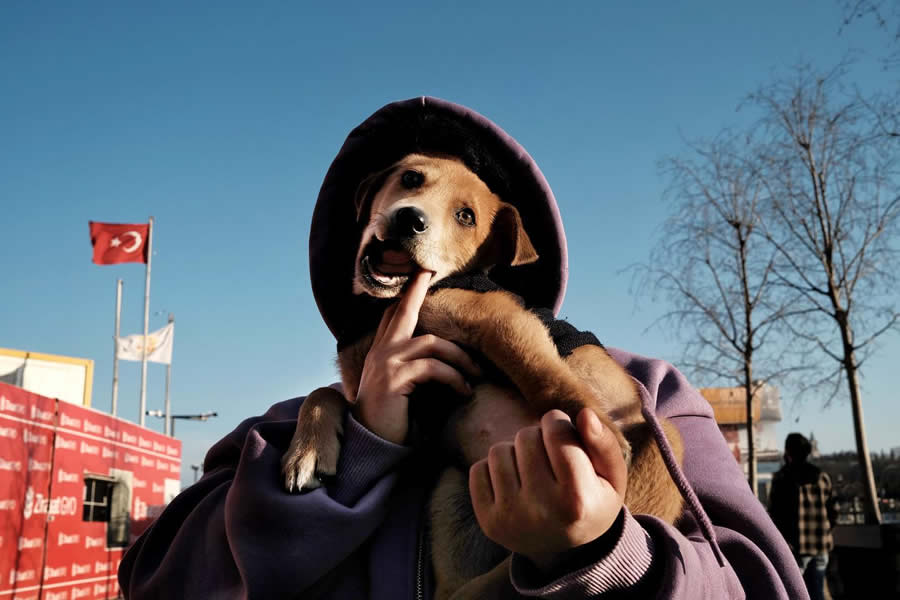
(116, 242)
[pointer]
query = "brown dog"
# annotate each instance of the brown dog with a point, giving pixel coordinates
(431, 212)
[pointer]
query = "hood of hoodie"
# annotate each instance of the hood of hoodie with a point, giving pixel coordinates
(429, 125)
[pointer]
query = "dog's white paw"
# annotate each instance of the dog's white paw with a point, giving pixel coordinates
(312, 456)
(306, 465)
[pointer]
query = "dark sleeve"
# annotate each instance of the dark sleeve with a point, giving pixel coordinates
(237, 534)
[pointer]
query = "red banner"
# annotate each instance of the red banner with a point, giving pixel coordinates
(76, 488)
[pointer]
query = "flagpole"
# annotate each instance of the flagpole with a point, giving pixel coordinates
(146, 324)
(115, 385)
(168, 426)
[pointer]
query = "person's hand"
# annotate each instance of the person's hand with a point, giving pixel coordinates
(549, 491)
(397, 362)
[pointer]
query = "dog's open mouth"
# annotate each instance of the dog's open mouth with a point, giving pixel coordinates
(387, 265)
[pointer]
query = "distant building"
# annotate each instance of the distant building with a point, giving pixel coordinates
(729, 406)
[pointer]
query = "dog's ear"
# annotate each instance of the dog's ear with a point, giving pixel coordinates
(366, 190)
(512, 244)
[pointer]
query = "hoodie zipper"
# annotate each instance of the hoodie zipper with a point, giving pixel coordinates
(420, 562)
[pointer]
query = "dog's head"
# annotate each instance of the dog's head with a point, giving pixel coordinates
(432, 213)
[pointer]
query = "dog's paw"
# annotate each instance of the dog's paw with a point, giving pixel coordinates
(312, 456)
(306, 465)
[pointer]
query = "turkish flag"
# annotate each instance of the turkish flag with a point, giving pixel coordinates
(119, 242)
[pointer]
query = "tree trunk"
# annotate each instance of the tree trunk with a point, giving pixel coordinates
(872, 512)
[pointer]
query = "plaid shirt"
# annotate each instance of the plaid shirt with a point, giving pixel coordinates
(800, 501)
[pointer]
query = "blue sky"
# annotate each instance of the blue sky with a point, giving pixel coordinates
(220, 119)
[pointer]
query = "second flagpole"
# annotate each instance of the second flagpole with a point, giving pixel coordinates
(115, 385)
(143, 412)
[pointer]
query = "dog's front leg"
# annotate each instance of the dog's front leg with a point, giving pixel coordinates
(314, 449)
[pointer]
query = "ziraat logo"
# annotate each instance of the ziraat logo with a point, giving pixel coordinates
(138, 483)
(82, 592)
(56, 595)
(26, 543)
(9, 432)
(65, 444)
(131, 458)
(109, 433)
(144, 443)
(23, 575)
(34, 438)
(67, 421)
(101, 567)
(171, 451)
(90, 449)
(173, 468)
(93, 542)
(101, 589)
(147, 462)
(80, 569)
(8, 504)
(64, 477)
(140, 509)
(162, 465)
(157, 447)
(36, 465)
(128, 438)
(41, 415)
(10, 465)
(8, 405)
(37, 504)
(109, 452)
(157, 488)
(51, 572)
(92, 428)
(68, 539)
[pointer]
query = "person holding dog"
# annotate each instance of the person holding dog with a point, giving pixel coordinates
(550, 490)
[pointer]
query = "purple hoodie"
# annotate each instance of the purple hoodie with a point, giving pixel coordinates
(237, 534)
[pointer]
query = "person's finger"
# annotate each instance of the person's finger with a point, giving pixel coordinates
(603, 450)
(406, 316)
(568, 459)
(428, 345)
(386, 319)
(503, 470)
(534, 466)
(480, 487)
(423, 370)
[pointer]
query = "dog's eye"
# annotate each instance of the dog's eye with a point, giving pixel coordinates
(412, 179)
(466, 217)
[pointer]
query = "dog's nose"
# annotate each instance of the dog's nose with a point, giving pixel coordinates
(409, 221)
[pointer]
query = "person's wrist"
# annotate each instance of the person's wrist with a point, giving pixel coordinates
(392, 434)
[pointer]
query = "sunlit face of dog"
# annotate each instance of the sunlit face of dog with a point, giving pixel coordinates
(432, 213)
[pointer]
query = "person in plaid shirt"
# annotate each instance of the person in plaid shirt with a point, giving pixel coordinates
(802, 506)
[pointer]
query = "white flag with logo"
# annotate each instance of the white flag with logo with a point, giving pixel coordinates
(159, 345)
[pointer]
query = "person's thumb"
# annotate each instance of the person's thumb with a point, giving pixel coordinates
(602, 447)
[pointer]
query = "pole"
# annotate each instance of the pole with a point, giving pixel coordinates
(168, 427)
(115, 386)
(146, 323)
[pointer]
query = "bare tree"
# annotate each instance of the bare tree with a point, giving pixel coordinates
(715, 269)
(886, 14)
(830, 172)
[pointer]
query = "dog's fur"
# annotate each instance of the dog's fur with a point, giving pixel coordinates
(467, 228)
